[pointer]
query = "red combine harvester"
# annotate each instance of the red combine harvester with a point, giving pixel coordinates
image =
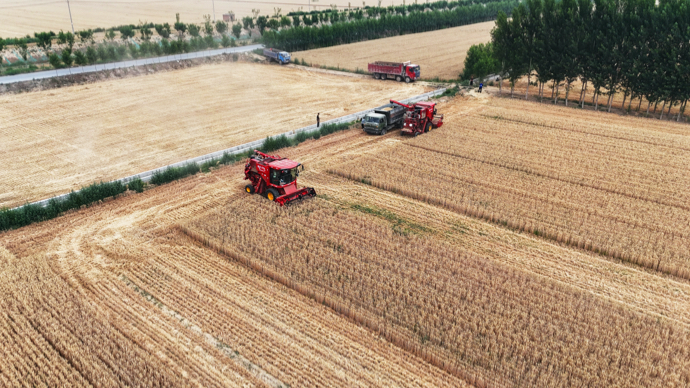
(420, 118)
(275, 177)
(400, 71)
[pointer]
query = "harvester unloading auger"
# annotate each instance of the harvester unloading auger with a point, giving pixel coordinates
(275, 178)
(420, 117)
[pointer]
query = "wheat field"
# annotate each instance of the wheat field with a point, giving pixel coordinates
(21, 17)
(367, 284)
(107, 130)
(438, 53)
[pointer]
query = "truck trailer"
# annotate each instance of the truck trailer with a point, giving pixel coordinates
(399, 71)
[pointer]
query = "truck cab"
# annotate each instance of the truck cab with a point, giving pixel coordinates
(284, 57)
(412, 72)
(374, 123)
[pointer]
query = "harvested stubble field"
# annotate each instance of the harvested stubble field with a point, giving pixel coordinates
(107, 130)
(612, 185)
(182, 272)
(439, 53)
(21, 17)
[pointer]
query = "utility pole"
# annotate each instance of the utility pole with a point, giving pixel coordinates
(70, 16)
(214, 11)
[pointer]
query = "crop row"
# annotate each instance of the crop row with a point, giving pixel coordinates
(459, 311)
(619, 191)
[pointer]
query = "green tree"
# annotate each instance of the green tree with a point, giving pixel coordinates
(163, 30)
(285, 22)
(248, 22)
(44, 40)
(85, 36)
(126, 32)
(110, 35)
(261, 24)
(180, 28)
(66, 57)
(91, 55)
(296, 21)
(80, 58)
(226, 41)
(54, 60)
(237, 30)
(480, 61)
(221, 27)
(193, 30)
(145, 31)
(273, 24)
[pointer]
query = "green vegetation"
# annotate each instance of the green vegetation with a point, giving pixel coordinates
(137, 185)
(29, 214)
(480, 62)
(637, 47)
(340, 27)
(174, 173)
(399, 225)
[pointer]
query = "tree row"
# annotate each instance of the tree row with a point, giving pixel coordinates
(635, 47)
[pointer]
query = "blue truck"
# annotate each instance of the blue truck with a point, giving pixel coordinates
(281, 57)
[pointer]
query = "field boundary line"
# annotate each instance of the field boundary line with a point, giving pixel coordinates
(56, 73)
(242, 148)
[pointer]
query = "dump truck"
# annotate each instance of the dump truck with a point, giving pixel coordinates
(420, 117)
(281, 57)
(275, 178)
(382, 120)
(400, 71)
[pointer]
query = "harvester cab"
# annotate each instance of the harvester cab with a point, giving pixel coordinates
(420, 117)
(275, 178)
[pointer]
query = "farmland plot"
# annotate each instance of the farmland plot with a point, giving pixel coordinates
(611, 186)
(439, 53)
(109, 130)
(19, 18)
(198, 270)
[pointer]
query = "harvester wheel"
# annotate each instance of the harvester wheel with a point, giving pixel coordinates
(407, 80)
(428, 127)
(398, 78)
(272, 194)
(383, 132)
(249, 189)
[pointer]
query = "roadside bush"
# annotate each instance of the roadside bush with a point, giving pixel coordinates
(31, 213)
(174, 173)
(327, 129)
(273, 143)
(137, 185)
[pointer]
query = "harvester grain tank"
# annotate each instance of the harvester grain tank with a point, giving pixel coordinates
(282, 57)
(420, 117)
(400, 71)
(275, 178)
(382, 120)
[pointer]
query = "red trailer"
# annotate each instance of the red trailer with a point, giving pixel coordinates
(395, 70)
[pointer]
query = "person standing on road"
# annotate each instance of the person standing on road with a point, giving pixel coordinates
(318, 120)
(481, 85)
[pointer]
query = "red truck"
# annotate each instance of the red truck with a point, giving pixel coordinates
(396, 70)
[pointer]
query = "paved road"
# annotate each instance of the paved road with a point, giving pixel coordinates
(10, 79)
